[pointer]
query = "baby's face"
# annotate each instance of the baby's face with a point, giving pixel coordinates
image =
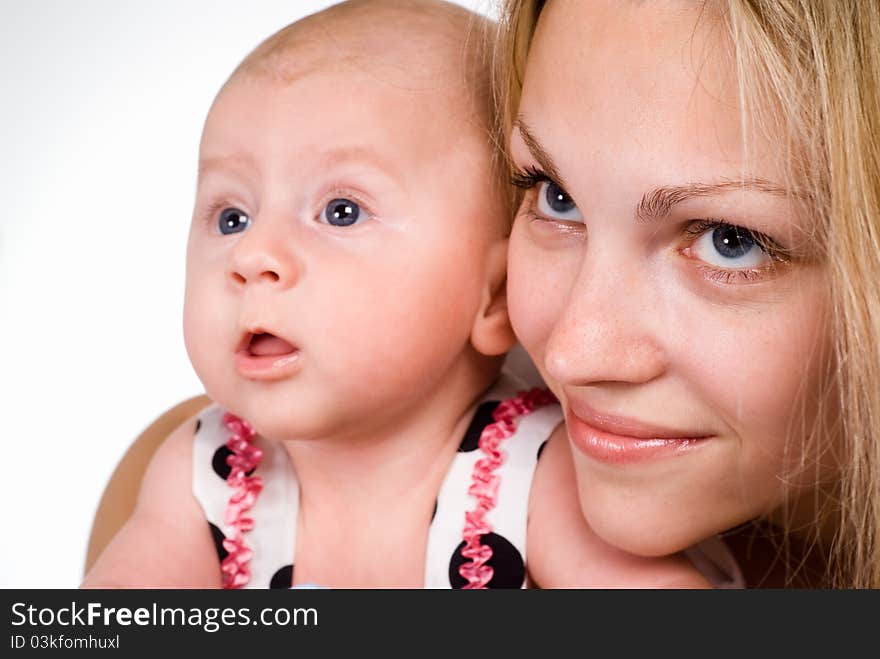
(337, 252)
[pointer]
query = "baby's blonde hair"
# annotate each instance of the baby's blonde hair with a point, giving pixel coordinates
(809, 77)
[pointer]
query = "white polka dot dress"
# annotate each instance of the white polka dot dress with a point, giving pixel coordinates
(273, 538)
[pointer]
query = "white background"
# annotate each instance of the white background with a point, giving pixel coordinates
(102, 106)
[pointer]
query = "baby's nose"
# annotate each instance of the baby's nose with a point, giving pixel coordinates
(259, 258)
(242, 276)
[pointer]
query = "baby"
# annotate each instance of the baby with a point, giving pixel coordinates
(346, 312)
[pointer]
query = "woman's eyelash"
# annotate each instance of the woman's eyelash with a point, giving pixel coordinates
(769, 246)
(528, 178)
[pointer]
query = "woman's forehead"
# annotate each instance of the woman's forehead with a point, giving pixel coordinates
(610, 93)
(628, 44)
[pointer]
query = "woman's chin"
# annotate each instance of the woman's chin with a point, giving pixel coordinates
(643, 532)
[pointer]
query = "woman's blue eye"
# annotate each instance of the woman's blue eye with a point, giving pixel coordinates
(342, 213)
(232, 220)
(732, 242)
(731, 247)
(555, 203)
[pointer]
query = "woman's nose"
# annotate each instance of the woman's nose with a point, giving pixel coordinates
(263, 256)
(607, 332)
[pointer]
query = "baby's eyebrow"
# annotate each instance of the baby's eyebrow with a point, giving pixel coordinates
(357, 154)
(539, 153)
(238, 161)
(656, 204)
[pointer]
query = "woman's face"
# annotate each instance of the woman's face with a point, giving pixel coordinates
(662, 279)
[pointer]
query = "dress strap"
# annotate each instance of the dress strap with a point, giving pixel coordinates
(243, 458)
(485, 482)
(248, 491)
(490, 498)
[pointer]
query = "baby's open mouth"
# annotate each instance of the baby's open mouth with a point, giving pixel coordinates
(263, 344)
(265, 356)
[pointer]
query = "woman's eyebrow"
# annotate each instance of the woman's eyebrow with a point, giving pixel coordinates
(659, 202)
(538, 152)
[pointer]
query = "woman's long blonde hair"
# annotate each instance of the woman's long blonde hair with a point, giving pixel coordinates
(818, 63)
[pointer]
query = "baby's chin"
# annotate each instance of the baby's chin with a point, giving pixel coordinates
(286, 414)
(275, 422)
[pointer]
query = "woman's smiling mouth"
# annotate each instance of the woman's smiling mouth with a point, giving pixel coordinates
(618, 440)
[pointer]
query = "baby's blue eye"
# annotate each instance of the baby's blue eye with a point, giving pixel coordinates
(342, 213)
(232, 220)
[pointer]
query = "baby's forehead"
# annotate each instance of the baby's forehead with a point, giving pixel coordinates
(392, 66)
(351, 71)
(423, 45)
(336, 114)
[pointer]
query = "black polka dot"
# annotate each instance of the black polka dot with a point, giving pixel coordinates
(541, 449)
(283, 578)
(434, 512)
(506, 561)
(218, 537)
(482, 418)
(221, 467)
(198, 424)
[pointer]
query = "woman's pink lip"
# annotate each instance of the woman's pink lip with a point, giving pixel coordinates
(626, 427)
(616, 440)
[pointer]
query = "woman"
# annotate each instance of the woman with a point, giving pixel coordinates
(695, 269)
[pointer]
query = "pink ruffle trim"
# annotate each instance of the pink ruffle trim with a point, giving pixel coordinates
(245, 457)
(484, 482)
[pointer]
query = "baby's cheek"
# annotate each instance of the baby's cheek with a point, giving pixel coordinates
(202, 319)
(417, 326)
(401, 336)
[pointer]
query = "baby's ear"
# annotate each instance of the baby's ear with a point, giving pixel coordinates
(492, 334)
